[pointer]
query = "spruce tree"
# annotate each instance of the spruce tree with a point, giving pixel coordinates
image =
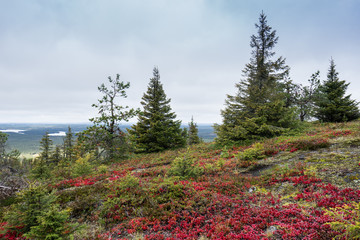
(68, 145)
(45, 146)
(332, 105)
(39, 215)
(156, 129)
(3, 139)
(56, 155)
(193, 137)
(42, 169)
(259, 107)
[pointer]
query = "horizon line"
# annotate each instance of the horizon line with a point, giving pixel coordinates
(89, 123)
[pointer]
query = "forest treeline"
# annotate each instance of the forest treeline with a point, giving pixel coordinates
(267, 103)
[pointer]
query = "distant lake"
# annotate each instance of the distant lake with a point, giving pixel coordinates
(26, 137)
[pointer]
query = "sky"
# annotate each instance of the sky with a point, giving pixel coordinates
(55, 53)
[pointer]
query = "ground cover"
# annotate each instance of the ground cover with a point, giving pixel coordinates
(302, 186)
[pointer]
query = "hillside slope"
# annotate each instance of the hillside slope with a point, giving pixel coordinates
(304, 186)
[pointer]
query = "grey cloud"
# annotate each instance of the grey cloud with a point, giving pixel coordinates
(54, 54)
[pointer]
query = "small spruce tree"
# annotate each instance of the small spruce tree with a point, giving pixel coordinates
(332, 105)
(68, 145)
(3, 139)
(193, 137)
(41, 169)
(37, 215)
(156, 129)
(45, 146)
(56, 155)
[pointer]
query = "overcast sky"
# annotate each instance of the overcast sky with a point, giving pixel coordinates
(55, 53)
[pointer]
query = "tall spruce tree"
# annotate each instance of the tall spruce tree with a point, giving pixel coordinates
(259, 107)
(156, 129)
(332, 105)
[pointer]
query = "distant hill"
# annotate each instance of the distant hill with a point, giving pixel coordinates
(26, 137)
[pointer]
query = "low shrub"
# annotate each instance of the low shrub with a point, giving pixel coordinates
(184, 168)
(225, 152)
(346, 219)
(127, 198)
(273, 146)
(253, 153)
(133, 198)
(82, 166)
(309, 143)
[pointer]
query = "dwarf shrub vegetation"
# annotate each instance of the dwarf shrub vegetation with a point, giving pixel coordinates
(82, 166)
(139, 199)
(253, 153)
(346, 218)
(184, 168)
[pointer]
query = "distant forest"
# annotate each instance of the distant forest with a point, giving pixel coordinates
(28, 143)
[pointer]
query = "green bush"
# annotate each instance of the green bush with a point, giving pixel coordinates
(82, 166)
(37, 215)
(225, 152)
(102, 169)
(169, 194)
(40, 170)
(52, 225)
(129, 197)
(253, 153)
(184, 168)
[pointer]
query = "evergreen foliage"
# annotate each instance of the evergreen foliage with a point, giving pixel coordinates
(332, 105)
(41, 169)
(184, 167)
(12, 171)
(52, 225)
(259, 108)
(253, 153)
(45, 147)
(37, 216)
(7, 158)
(193, 137)
(82, 166)
(106, 132)
(3, 140)
(156, 129)
(56, 155)
(68, 145)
